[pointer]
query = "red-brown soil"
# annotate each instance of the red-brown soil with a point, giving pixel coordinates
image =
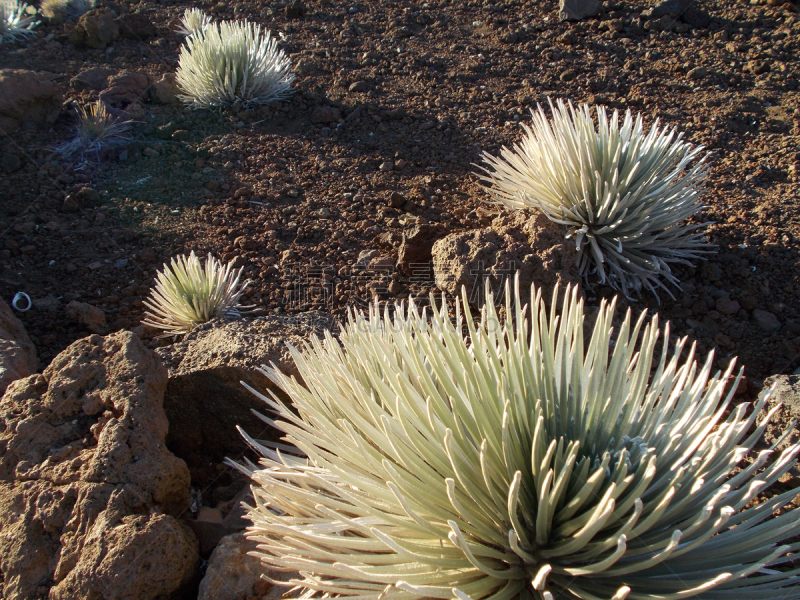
(298, 200)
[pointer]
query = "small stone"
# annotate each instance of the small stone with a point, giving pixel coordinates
(87, 315)
(70, 204)
(322, 213)
(212, 185)
(567, 75)
(295, 10)
(293, 193)
(358, 86)
(386, 166)
(397, 200)
(757, 67)
(181, 135)
(150, 152)
(395, 287)
(697, 73)
(121, 263)
(575, 10)
(727, 306)
(766, 320)
(400, 164)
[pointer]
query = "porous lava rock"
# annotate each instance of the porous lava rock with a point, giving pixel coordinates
(96, 29)
(205, 400)
(28, 99)
(234, 574)
(17, 352)
(522, 242)
(88, 490)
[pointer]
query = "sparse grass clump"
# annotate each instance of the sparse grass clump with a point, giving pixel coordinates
(15, 22)
(97, 128)
(625, 195)
(194, 21)
(57, 11)
(519, 460)
(233, 63)
(187, 294)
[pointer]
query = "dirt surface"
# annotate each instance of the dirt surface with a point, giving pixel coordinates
(394, 103)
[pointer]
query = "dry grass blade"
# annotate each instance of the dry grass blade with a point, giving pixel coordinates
(625, 195)
(187, 294)
(519, 459)
(97, 128)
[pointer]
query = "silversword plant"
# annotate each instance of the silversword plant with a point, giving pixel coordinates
(97, 128)
(188, 293)
(519, 460)
(233, 63)
(15, 22)
(625, 195)
(194, 21)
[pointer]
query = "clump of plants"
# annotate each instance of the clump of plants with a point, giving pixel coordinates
(519, 459)
(96, 129)
(193, 21)
(233, 63)
(188, 293)
(16, 21)
(57, 11)
(625, 195)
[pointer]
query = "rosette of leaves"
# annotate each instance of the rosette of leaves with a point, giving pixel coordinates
(625, 195)
(188, 293)
(519, 459)
(15, 20)
(194, 21)
(233, 63)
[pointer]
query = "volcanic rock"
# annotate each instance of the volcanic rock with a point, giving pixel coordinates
(87, 486)
(17, 353)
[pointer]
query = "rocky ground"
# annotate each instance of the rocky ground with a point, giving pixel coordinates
(356, 187)
(395, 102)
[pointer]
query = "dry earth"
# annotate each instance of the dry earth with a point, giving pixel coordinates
(394, 103)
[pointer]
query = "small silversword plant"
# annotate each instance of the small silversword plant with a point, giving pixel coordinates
(624, 194)
(57, 11)
(519, 460)
(97, 129)
(187, 294)
(233, 63)
(15, 22)
(194, 21)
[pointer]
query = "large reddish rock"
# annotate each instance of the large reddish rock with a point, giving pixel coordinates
(17, 353)
(205, 400)
(88, 490)
(28, 99)
(522, 242)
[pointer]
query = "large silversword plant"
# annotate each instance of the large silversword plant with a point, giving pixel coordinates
(625, 194)
(519, 461)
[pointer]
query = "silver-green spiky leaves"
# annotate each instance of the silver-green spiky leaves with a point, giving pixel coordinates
(233, 63)
(15, 22)
(519, 461)
(624, 194)
(194, 21)
(187, 294)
